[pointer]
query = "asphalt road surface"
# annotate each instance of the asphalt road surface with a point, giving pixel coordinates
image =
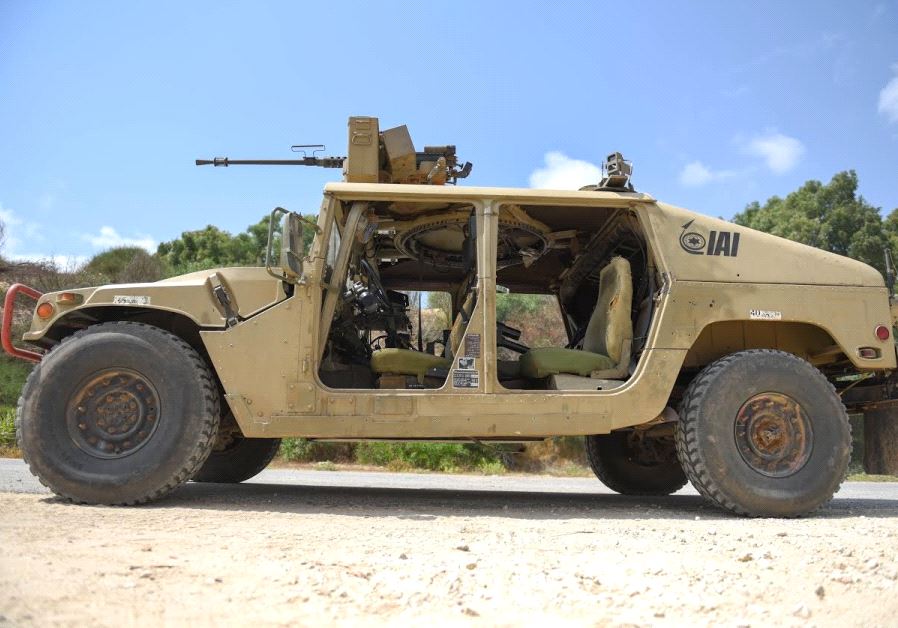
(856, 497)
(312, 547)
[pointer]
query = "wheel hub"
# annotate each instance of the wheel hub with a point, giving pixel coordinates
(773, 435)
(650, 452)
(113, 413)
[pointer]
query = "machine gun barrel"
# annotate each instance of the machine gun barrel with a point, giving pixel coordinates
(321, 162)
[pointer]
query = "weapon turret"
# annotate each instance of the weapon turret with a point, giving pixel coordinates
(374, 157)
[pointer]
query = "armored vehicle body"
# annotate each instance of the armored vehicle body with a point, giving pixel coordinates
(693, 349)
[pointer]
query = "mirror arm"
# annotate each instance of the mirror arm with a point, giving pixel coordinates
(271, 220)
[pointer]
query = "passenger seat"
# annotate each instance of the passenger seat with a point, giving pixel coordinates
(608, 339)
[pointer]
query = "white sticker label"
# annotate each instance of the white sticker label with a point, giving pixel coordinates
(130, 299)
(765, 315)
(465, 379)
(466, 374)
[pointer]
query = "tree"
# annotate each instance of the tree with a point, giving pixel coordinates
(204, 248)
(829, 216)
(890, 228)
(125, 264)
(211, 247)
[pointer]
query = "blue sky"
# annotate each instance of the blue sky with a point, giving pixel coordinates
(104, 106)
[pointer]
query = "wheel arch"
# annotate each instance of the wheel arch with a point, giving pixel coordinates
(808, 341)
(177, 323)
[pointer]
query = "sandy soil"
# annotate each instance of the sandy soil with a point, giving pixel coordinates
(293, 554)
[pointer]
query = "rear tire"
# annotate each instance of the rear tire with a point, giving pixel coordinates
(763, 433)
(238, 460)
(632, 466)
(119, 413)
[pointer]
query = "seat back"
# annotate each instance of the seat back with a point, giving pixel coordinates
(610, 327)
(460, 324)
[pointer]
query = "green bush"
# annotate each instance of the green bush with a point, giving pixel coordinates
(12, 377)
(304, 450)
(396, 456)
(7, 426)
(431, 456)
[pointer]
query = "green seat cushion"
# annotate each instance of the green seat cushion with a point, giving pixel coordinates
(405, 362)
(539, 363)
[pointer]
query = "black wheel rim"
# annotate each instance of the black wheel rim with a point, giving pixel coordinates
(112, 413)
(773, 435)
(649, 452)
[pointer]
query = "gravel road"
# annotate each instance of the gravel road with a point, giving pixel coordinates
(313, 547)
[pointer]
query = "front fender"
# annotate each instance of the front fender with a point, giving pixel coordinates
(252, 290)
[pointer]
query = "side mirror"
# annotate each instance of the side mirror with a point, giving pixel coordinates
(291, 245)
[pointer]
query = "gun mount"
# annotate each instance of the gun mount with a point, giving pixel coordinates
(374, 156)
(616, 173)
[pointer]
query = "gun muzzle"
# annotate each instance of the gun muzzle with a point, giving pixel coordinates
(218, 161)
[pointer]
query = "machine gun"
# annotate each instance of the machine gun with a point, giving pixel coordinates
(314, 160)
(373, 157)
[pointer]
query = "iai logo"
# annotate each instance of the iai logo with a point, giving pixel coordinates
(724, 243)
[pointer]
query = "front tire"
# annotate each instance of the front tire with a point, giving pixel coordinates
(763, 433)
(632, 464)
(119, 413)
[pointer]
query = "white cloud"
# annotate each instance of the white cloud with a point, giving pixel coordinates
(563, 173)
(695, 174)
(780, 152)
(21, 232)
(11, 227)
(18, 230)
(9, 217)
(888, 97)
(109, 238)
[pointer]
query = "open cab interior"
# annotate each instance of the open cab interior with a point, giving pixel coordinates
(404, 279)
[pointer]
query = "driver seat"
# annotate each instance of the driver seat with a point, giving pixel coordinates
(417, 363)
(608, 338)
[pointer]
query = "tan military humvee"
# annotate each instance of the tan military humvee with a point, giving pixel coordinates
(695, 348)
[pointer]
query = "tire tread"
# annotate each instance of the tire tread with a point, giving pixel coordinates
(687, 433)
(619, 484)
(206, 436)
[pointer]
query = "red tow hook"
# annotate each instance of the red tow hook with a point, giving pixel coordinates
(9, 304)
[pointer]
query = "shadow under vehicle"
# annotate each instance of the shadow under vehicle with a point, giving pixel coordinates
(695, 349)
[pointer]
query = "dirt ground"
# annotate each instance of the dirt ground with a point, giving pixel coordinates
(287, 554)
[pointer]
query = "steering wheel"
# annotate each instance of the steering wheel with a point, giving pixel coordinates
(374, 281)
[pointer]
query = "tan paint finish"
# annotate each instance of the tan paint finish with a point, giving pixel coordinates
(252, 290)
(273, 394)
(276, 392)
(268, 364)
(850, 315)
(772, 259)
